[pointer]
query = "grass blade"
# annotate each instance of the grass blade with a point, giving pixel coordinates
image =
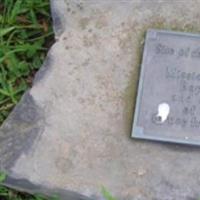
(2, 177)
(15, 11)
(5, 31)
(106, 194)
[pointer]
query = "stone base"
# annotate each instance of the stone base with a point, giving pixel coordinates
(72, 130)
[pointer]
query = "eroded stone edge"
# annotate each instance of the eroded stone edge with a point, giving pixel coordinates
(25, 124)
(26, 186)
(19, 131)
(57, 16)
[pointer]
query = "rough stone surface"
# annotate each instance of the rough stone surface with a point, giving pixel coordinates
(72, 130)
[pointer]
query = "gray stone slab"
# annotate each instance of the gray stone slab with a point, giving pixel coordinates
(71, 131)
(168, 105)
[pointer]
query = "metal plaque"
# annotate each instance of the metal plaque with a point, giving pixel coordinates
(168, 101)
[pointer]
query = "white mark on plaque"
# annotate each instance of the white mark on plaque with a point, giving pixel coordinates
(162, 113)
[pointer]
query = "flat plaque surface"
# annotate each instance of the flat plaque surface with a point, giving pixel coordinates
(168, 102)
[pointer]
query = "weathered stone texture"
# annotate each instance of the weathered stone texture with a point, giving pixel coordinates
(84, 101)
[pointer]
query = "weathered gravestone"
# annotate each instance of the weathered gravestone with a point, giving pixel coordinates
(71, 131)
(168, 105)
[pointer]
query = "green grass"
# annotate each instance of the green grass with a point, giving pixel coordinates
(106, 194)
(9, 194)
(25, 35)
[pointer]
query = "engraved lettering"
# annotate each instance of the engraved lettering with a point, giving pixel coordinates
(196, 53)
(184, 52)
(163, 49)
(185, 80)
(176, 74)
